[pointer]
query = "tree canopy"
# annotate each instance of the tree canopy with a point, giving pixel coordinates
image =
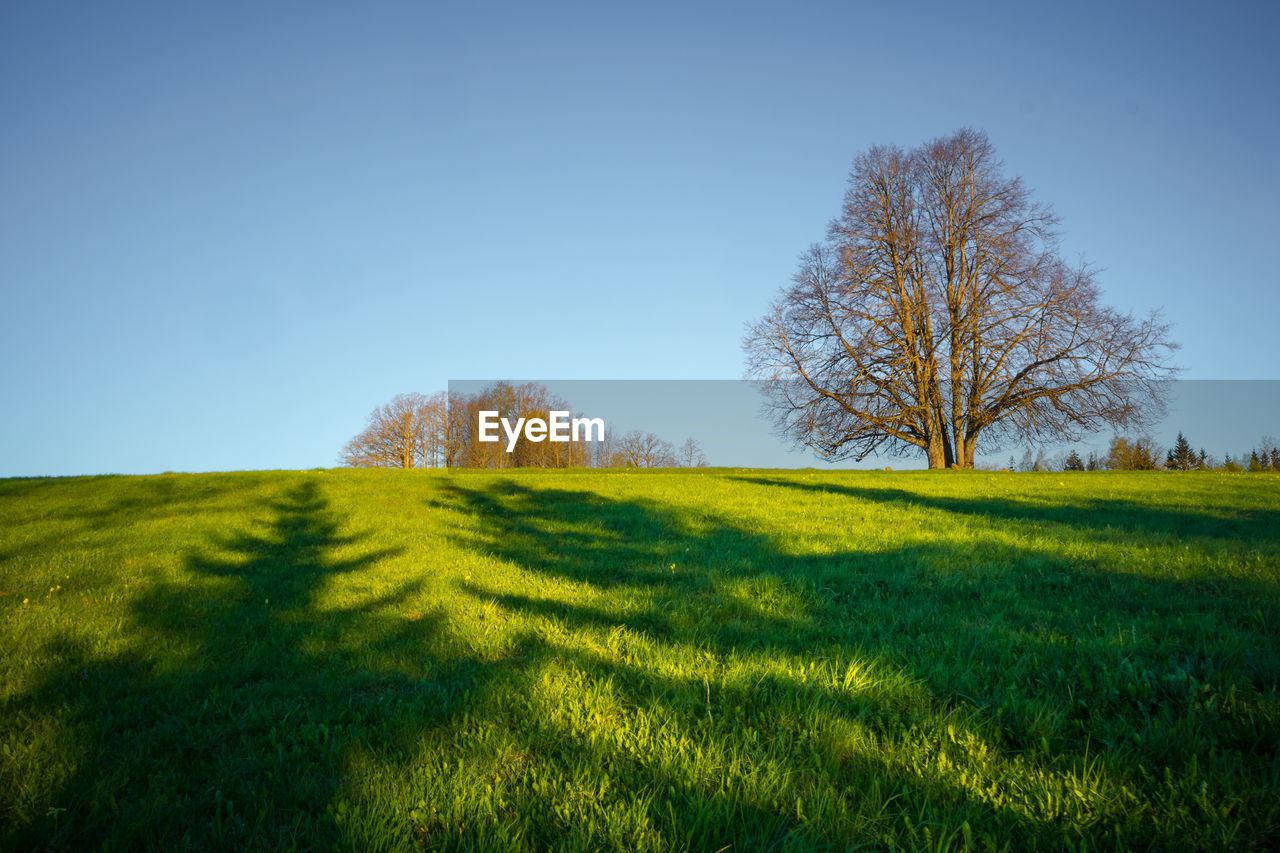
(938, 314)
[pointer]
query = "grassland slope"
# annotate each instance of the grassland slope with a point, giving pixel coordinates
(640, 660)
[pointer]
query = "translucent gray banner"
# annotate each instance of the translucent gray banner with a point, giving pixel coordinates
(731, 422)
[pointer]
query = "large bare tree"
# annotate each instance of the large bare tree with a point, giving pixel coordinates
(938, 316)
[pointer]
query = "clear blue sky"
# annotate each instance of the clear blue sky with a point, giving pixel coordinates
(228, 231)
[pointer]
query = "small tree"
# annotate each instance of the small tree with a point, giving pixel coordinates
(690, 455)
(645, 450)
(1126, 454)
(1181, 457)
(1074, 462)
(1269, 453)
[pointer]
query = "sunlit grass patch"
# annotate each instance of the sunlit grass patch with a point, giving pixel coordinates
(640, 660)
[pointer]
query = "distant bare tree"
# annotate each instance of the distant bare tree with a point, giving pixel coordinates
(442, 430)
(645, 450)
(603, 454)
(690, 455)
(938, 314)
(512, 402)
(398, 435)
(435, 442)
(1269, 451)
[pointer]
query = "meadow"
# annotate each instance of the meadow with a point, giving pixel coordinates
(640, 660)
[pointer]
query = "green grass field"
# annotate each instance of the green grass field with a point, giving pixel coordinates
(635, 660)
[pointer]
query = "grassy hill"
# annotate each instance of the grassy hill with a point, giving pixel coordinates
(640, 660)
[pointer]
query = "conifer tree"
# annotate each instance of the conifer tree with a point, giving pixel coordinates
(1181, 457)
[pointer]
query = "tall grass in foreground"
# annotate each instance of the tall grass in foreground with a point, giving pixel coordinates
(640, 660)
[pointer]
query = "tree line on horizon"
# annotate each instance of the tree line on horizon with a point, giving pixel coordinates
(441, 430)
(938, 317)
(1141, 454)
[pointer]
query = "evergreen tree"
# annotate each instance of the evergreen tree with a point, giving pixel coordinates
(1074, 463)
(1269, 453)
(1255, 464)
(1181, 457)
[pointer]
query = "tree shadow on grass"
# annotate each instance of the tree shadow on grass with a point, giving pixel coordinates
(230, 724)
(236, 720)
(1103, 518)
(1041, 658)
(88, 510)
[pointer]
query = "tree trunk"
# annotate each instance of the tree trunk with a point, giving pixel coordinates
(936, 452)
(948, 452)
